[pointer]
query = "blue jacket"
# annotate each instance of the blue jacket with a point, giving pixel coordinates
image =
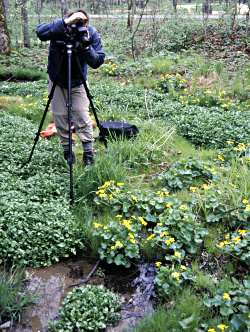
(56, 33)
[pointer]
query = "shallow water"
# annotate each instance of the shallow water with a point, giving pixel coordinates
(50, 285)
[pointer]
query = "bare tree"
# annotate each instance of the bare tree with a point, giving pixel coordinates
(4, 35)
(131, 14)
(25, 24)
(6, 6)
(136, 30)
(38, 6)
(175, 5)
(64, 7)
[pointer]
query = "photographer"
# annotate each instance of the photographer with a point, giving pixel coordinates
(89, 50)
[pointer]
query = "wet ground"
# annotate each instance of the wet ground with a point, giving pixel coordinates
(50, 285)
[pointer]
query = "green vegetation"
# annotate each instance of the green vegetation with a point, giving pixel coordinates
(90, 308)
(176, 195)
(13, 298)
(36, 225)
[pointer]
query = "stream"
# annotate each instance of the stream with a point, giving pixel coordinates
(50, 285)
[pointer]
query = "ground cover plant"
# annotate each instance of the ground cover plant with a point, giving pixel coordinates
(90, 308)
(36, 225)
(176, 196)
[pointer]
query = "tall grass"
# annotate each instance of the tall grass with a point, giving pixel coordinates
(125, 158)
(13, 299)
(186, 314)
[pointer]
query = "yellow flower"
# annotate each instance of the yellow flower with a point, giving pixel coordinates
(120, 184)
(176, 275)
(126, 223)
(177, 254)
(165, 233)
(101, 191)
(236, 239)
(142, 221)
(170, 241)
(103, 195)
(211, 330)
(226, 297)
(245, 201)
(150, 237)
(118, 216)
(183, 267)
(205, 186)
(222, 327)
(107, 184)
(242, 231)
(157, 264)
(193, 189)
(162, 194)
(118, 244)
(168, 205)
(241, 147)
(97, 225)
(220, 157)
(134, 198)
(110, 197)
(221, 244)
(227, 236)
(247, 208)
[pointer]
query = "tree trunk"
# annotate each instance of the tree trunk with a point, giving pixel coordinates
(64, 7)
(38, 9)
(4, 35)
(6, 6)
(131, 14)
(234, 16)
(175, 5)
(25, 24)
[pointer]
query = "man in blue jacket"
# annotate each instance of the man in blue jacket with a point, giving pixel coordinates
(91, 54)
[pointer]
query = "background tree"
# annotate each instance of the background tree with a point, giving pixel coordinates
(131, 14)
(4, 35)
(6, 5)
(25, 24)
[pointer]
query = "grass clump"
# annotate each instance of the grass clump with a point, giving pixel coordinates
(186, 314)
(13, 298)
(22, 74)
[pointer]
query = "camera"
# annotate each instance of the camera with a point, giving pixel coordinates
(79, 33)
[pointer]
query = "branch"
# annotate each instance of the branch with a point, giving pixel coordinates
(85, 280)
(136, 29)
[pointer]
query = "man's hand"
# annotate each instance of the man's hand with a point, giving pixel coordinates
(76, 17)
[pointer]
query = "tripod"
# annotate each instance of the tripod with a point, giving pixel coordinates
(69, 50)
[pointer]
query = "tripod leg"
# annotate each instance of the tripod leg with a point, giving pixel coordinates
(41, 124)
(69, 107)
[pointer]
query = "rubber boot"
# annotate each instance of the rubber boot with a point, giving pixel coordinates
(66, 154)
(88, 155)
(88, 158)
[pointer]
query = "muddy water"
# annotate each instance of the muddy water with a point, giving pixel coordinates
(50, 285)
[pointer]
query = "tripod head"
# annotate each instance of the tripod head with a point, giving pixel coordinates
(77, 34)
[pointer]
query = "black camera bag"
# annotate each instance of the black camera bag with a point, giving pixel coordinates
(117, 129)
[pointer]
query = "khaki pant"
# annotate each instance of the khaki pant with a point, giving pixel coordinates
(80, 113)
